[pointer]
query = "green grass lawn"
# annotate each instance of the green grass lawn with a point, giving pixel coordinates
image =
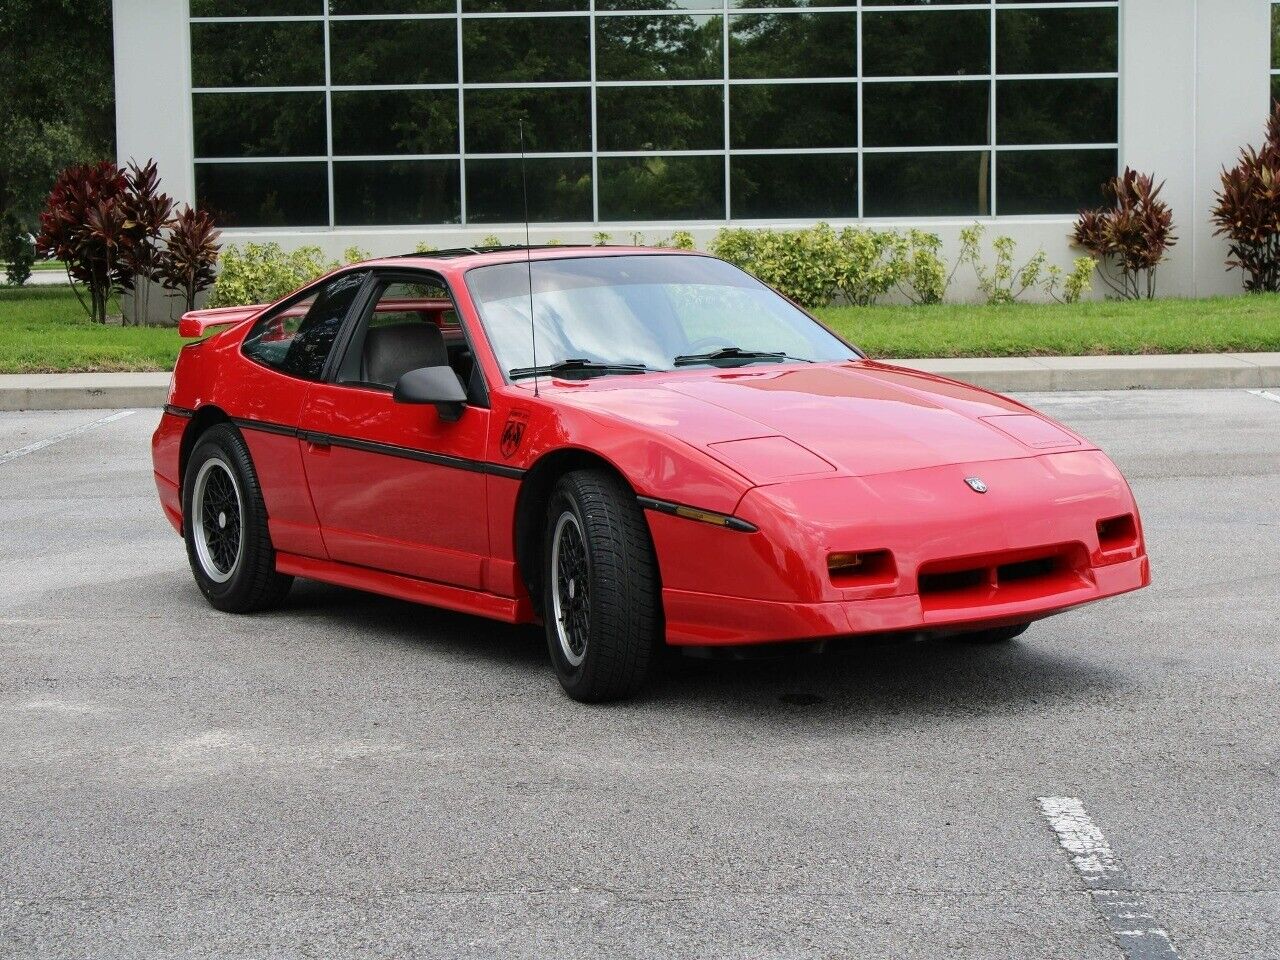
(1223, 325)
(44, 330)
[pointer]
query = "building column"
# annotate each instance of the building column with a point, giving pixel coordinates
(153, 89)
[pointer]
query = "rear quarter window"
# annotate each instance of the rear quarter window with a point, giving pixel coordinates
(298, 337)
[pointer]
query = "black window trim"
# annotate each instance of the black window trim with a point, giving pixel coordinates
(380, 278)
(311, 289)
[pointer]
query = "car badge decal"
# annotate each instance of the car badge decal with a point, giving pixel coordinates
(976, 484)
(512, 434)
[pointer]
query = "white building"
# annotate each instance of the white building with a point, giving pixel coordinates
(389, 123)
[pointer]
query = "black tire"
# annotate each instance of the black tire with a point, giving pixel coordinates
(603, 643)
(239, 576)
(994, 635)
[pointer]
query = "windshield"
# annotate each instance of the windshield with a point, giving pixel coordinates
(629, 314)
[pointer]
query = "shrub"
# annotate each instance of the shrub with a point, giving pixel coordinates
(83, 224)
(355, 255)
(490, 240)
(800, 264)
(1247, 211)
(1004, 282)
(1130, 235)
(190, 254)
(680, 240)
(16, 250)
(263, 273)
(922, 275)
(147, 211)
(867, 265)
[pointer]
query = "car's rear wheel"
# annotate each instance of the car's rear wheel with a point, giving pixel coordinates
(601, 601)
(994, 635)
(225, 526)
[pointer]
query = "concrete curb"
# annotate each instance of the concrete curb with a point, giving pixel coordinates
(1208, 371)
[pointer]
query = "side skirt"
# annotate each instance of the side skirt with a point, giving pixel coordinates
(429, 592)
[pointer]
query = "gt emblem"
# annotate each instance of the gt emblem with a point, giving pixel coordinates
(512, 434)
(976, 484)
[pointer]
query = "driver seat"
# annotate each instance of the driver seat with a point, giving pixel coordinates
(392, 351)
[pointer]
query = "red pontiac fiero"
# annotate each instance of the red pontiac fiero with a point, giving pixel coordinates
(668, 452)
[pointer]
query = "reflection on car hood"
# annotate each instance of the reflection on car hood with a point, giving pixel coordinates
(861, 418)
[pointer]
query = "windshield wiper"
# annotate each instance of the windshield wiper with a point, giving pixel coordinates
(733, 353)
(577, 365)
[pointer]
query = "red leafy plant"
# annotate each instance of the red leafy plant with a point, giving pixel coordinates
(83, 225)
(1247, 211)
(1130, 235)
(147, 212)
(187, 263)
(116, 231)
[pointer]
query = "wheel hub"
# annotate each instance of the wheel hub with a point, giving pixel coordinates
(217, 508)
(570, 575)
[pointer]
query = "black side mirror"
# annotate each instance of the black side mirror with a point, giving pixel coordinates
(438, 385)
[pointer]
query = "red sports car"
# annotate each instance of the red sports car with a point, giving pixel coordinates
(636, 447)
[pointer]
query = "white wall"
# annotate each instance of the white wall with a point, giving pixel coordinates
(1194, 88)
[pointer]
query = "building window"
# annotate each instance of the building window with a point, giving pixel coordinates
(404, 112)
(1275, 51)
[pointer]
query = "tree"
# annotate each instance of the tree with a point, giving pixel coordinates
(59, 98)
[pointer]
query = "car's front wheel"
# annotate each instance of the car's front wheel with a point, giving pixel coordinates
(601, 601)
(225, 526)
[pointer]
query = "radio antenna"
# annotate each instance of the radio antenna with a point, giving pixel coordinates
(528, 261)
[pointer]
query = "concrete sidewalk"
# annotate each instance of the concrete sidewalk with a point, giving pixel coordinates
(1210, 371)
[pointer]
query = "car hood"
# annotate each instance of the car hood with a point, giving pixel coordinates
(862, 418)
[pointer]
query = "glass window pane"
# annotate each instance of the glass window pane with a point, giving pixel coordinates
(257, 8)
(659, 4)
(954, 114)
(660, 118)
(298, 339)
(773, 116)
(1275, 36)
(1057, 111)
(659, 48)
(370, 193)
(559, 191)
(373, 122)
(927, 184)
(393, 51)
(522, 6)
(926, 43)
(288, 54)
(554, 120)
(764, 45)
(661, 188)
(526, 50)
(1057, 41)
(1051, 181)
(264, 194)
(259, 124)
(348, 7)
(1275, 88)
(791, 4)
(781, 187)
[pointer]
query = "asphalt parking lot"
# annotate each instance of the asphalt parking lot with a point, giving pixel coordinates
(354, 776)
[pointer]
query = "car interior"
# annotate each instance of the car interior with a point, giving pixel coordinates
(412, 325)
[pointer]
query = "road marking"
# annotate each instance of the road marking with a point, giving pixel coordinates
(65, 435)
(1266, 395)
(1110, 888)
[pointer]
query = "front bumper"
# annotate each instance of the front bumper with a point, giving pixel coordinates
(1028, 548)
(704, 619)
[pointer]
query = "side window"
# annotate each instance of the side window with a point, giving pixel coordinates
(298, 338)
(410, 324)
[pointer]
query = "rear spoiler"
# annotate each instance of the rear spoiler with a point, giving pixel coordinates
(196, 323)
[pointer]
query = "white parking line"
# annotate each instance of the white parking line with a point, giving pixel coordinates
(65, 435)
(1266, 395)
(1110, 888)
